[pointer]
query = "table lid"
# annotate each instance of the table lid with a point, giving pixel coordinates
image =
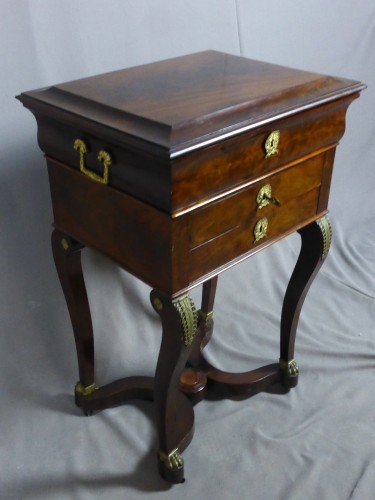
(188, 102)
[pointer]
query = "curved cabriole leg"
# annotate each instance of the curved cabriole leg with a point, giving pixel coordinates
(174, 412)
(67, 256)
(316, 240)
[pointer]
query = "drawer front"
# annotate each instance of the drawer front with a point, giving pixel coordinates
(228, 228)
(206, 173)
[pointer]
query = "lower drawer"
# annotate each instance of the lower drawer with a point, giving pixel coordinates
(231, 227)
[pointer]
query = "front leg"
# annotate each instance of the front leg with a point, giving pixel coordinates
(67, 256)
(174, 412)
(316, 241)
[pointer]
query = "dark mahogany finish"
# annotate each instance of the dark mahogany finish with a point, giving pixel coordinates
(211, 158)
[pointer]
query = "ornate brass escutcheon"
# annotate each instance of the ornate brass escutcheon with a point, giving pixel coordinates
(260, 229)
(272, 143)
(103, 157)
(264, 197)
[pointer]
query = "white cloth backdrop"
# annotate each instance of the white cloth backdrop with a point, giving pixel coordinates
(318, 441)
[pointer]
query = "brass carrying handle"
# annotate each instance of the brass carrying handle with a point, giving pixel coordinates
(103, 156)
(260, 229)
(264, 197)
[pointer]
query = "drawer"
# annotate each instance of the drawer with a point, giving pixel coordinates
(206, 173)
(223, 231)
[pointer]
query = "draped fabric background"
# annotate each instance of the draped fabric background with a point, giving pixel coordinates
(318, 441)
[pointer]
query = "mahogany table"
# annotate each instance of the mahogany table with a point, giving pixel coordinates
(178, 170)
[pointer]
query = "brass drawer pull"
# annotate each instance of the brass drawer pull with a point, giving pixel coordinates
(272, 143)
(264, 197)
(103, 157)
(260, 229)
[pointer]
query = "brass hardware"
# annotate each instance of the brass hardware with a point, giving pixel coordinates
(290, 368)
(85, 391)
(65, 244)
(204, 317)
(326, 229)
(272, 143)
(260, 229)
(264, 197)
(189, 318)
(172, 460)
(158, 304)
(103, 157)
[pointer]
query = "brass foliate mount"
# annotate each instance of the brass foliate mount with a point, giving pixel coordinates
(326, 230)
(189, 318)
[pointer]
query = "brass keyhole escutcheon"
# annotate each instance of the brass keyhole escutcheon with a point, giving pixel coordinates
(264, 197)
(272, 143)
(260, 229)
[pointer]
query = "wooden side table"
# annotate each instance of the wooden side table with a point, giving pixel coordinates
(178, 170)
